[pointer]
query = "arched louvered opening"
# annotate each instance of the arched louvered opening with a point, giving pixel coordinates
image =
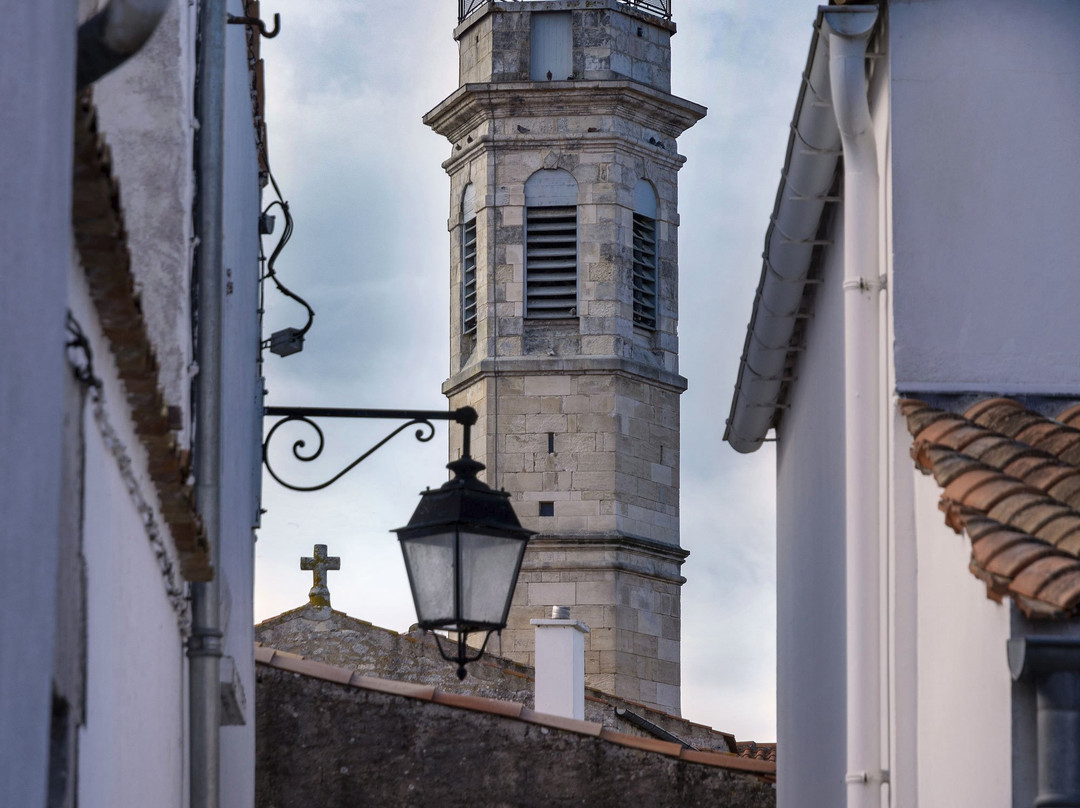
(645, 277)
(468, 260)
(551, 245)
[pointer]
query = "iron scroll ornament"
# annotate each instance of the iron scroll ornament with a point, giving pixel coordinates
(466, 416)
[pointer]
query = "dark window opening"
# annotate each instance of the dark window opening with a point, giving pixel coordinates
(547, 508)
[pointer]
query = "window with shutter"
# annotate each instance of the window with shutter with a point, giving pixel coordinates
(551, 262)
(551, 245)
(468, 262)
(645, 280)
(644, 271)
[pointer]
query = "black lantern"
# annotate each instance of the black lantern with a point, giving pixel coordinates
(463, 546)
(463, 549)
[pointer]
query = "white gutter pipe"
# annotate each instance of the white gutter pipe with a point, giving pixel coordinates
(849, 30)
(113, 35)
(205, 643)
(809, 168)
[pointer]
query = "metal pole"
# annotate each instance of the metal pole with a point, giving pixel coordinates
(204, 646)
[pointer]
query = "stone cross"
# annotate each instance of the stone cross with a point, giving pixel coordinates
(319, 596)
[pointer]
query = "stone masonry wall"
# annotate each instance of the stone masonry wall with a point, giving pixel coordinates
(346, 642)
(579, 414)
(321, 743)
(610, 40)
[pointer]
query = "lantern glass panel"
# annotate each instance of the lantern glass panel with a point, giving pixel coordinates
(489, 566)
(430, 563)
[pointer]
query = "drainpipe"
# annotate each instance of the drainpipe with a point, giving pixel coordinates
(113, 35)
(1054, 664)
(849, 30)
(204, 645)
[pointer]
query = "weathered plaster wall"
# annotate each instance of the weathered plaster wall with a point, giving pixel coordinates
(321, 743)
(145, 112)
(985, 278)
(964, 688)
(37, 59)
(810, 555)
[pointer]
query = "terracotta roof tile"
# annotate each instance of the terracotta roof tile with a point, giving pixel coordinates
(1038, 431)
(1070, 544)
(939, 430)
(1041, 516)
(1012, 560)
(1067, 491)
(510, 709)
(980, 408)
(1009, 509)
(1059, 444)
(561, 722)
(995, 543)
(1071, 455)
(947, 464)
(1042, 572)
(963, 485)
(1057, 531)
(1070, 415)
(639, 742)
(1042, 475)
(986, 496)
(1011, 482)
(1063, 592)
(1006, 420)
(1023, 462)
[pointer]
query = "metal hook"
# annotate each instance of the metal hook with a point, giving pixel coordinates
(255, 22)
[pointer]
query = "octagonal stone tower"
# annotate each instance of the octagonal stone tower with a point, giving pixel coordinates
(564, 313)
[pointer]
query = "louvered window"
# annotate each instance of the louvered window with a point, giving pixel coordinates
(551, 262)
(468, 260)
(644, 271)
(468, 277)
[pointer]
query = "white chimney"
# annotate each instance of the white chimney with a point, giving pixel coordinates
(560, 664)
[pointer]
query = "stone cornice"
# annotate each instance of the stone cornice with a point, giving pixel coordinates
(630, 552)
(550, 366)
(472, 105)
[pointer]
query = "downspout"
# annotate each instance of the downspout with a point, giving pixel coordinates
(849, 30)
(204, 645)
(1054, 664)
(113, 35)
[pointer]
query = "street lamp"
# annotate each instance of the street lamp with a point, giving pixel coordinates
(464, 544)
(463, 549)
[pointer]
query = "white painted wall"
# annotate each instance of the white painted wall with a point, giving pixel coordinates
(37, 57)
(985, 135)
(810, 562)
(242, 411)
(964, 688)
(133, 744)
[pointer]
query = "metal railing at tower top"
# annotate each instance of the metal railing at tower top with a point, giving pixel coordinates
(659, 8)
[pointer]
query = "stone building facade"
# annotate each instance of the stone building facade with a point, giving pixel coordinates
(564, 312)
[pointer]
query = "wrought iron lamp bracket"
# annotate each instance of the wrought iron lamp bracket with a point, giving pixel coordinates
(422, 419)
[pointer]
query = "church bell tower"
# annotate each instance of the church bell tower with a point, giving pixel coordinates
(564, 313)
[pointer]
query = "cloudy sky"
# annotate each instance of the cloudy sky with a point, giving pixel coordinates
(347, 84)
